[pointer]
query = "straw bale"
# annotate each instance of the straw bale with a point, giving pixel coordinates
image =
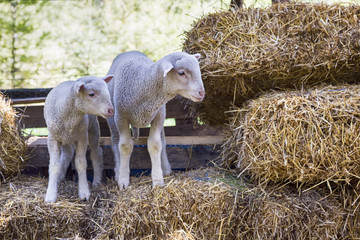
(309, 137)
(12, 146)
(200, 204)
(285, 46)
(24, 214)
(281, 213)
(209, 204)
(190, 206)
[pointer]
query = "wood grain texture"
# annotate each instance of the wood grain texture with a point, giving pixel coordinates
(180, 156)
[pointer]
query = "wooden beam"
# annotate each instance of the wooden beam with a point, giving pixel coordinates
(178, 130)
(236, 4)
(180, 157)
(171, 140)
(279, 1)
(34, 115)
(22, 101)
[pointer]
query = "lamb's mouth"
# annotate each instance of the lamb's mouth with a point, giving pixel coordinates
(106, 116)
(197, 99)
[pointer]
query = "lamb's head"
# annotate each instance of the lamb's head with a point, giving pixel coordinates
(183, 72)
(93, 96)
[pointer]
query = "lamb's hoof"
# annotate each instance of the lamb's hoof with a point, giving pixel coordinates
(50, 198)
(167, 171)
(96, 184)
(123, 183)
(158, 183)
(61, 178)
(84, 195)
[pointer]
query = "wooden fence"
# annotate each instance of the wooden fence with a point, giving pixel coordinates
(189, 145)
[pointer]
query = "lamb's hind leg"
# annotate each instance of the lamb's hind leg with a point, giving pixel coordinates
(126, 144)
(96, 153)
(67, 154)
(115, 145)
(55, 168)
(165, 165)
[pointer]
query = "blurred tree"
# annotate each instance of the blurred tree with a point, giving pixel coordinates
(17, 24)
(45, 42)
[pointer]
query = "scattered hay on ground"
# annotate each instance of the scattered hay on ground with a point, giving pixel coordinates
(286, 46)
(13, 149)
(303, 137)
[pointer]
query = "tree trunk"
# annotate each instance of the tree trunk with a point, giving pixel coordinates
(13, 44)
(235, 4)
(279, 1)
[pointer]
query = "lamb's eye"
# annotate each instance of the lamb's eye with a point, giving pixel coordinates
(181, 73)
(91, 94)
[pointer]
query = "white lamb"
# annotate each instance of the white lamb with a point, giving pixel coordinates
(70, 127)
(139, 92)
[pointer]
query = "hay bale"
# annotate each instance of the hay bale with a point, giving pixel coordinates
(12, 146)
(191, 205)
(25, 215)
(210, 204)
(281, 213)
(199, 204)
(302, 137)
(286, 46)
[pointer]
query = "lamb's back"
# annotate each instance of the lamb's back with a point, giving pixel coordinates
(56, 100)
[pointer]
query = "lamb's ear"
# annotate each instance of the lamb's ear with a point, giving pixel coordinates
(80, 87)
(166, 67)
(197, 56)
(108, 78)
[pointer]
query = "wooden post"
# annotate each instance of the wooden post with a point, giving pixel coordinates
(279, 1)
(235, 4)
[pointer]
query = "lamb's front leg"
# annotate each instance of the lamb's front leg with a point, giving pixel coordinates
(155, 148)
(80, 165)
(126, 145)
(55, 168)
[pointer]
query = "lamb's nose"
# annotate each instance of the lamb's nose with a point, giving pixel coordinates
(111, 111)
(202, 93)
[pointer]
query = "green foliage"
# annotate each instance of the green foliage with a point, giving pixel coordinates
(16, 40)
(91, 33)
(46, 42)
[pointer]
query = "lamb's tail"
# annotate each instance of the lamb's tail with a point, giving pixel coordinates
(135, 132)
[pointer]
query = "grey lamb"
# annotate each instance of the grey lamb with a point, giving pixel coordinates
(139, 92)
(70, 127)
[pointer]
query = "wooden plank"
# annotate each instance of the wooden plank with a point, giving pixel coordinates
(177, 108)
(34, 115)
(22, 101)
(33, 118)
(183, 140)
(26, 92)
(180, 157)
(182, 130)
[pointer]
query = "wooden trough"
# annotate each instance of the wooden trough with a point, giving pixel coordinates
(189, 145)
